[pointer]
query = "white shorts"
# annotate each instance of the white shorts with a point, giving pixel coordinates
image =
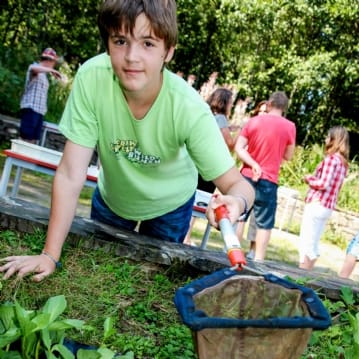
(314, 219)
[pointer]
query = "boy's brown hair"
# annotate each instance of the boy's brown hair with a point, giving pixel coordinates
(219, 100)
(115, 15)
(279, 100)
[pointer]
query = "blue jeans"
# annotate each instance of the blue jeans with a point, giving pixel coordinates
(172, 226)
(31, 124)
(265, 202)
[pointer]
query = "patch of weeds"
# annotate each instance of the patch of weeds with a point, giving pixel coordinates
(10, 238)
(341, 339)
(138, 297)
(35, 241)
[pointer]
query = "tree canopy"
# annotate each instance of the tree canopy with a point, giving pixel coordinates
(307, 48)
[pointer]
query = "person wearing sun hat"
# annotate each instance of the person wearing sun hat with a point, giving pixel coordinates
(33, 102)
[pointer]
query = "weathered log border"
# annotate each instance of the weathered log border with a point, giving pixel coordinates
(26, 217)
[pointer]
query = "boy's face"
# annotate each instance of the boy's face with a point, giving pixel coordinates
(138, 59)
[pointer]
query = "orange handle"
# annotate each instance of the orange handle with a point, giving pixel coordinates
(221, 212)
(236, 257)
(234, 252)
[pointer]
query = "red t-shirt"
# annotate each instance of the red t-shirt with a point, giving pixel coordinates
(268, 137)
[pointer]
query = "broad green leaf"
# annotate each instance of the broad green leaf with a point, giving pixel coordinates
(66, 324)
(24, 317)
(55, 306)
(28, 345)
(50, 355)
(10, 355)
(45, 336)
(108, 328)
(106, 353)
(7, 316)
(65, 353)
(354, 321)
(88, 354)
(9, 337)
(128, 355)
(347, 295)
(41, 321)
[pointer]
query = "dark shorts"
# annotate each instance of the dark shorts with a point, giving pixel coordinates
(265, 203)
(207, 186)
(31, 124)
(172, 226)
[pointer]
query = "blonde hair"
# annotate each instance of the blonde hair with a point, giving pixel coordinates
(338, 142)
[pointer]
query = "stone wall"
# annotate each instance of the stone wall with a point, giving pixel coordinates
(343, 224)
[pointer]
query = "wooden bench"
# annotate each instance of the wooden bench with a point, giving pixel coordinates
(21, 161)
(48, 127)
(199, 211)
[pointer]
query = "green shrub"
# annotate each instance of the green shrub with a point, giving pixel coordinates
(13, 67)
(10, 91)
(304, 162)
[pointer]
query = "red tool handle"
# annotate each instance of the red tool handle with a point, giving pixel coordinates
(234, 252)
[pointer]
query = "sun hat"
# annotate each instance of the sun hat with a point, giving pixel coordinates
(49, 54)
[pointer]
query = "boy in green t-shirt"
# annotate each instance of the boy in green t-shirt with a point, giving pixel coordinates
(153, 133)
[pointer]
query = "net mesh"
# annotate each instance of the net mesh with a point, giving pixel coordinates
(250, 297)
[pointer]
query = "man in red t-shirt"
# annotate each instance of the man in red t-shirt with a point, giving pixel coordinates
(264, 142)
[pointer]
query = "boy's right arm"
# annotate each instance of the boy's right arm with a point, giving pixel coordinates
(68, 182)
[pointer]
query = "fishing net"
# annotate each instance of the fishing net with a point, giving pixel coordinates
(237, 316)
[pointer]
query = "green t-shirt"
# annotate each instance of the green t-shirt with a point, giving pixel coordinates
(148, 166)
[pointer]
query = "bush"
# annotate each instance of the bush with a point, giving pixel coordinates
(305, 161)
(13, 67)
(10, 91)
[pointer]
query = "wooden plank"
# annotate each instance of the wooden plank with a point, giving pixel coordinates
(25, 216)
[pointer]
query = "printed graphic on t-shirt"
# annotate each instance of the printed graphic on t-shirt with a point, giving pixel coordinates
(130, 150)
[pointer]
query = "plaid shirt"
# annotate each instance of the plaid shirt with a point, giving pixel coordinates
(327, 181)
(35, 95)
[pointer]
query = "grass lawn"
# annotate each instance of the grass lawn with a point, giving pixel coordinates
(137, 296)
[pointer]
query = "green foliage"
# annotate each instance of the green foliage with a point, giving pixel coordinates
(58, 94)
(306, 48)
(304, 161)
(136, 299)
(29, 334)
(128, 308)
(36, 332)
(341, 340)
(9, 87)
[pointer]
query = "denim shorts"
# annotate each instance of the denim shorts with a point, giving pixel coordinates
(353, 247)
(172, 226)
(31, 124)
(265, 202)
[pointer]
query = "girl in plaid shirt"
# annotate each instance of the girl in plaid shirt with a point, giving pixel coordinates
(322, 196)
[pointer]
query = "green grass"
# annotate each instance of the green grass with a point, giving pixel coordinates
(139, 296)
(139, 299)
(97, 285)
